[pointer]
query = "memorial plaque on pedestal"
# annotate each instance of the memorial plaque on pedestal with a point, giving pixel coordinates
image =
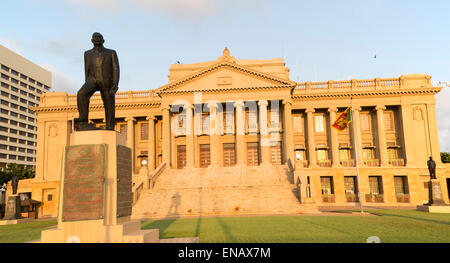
(436, 191)
(84, 182)
(12, 207)
(124, 181)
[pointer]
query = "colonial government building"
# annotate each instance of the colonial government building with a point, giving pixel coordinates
(237, 136)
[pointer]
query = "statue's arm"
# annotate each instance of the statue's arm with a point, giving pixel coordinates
(116, 69)
(86, 67)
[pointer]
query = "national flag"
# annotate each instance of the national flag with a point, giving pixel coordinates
(343, 120)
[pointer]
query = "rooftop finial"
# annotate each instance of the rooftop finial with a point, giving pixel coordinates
(226, 52)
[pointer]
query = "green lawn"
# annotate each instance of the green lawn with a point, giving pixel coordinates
(24, 232)
(389, 225)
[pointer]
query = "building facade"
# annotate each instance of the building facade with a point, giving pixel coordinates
(21, 85)
(237, 112)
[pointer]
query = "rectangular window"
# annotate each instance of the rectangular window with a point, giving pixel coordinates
(326, 183)
(388, 125)
(322, 155)
(205, 123)
(367, 154)
(320, 123)
(298, 127)
(229, 122)
(181, 123)
(392, 154)
(401, 185)
(375, 184)
(144, 131)
(350, 185)
(344, 154)
(252, 121)
(299, 154)
(123, 129)
(274, 119)
(364, 122)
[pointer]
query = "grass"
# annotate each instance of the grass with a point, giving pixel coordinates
(391, 226)
(24, 232)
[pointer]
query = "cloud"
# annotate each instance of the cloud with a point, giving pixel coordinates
(60, 82)
(185, 10)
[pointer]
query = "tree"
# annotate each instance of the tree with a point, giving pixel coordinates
(445, 157)
(12, 168)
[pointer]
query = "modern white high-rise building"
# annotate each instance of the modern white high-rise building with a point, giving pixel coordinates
(21, 84)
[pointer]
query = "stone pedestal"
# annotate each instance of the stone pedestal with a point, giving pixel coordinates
(96, 192)
(12, 208)
(436, 203)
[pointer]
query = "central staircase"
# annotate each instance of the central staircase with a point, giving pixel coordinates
(247, 190)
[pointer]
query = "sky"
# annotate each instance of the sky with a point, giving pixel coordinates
(319, 40)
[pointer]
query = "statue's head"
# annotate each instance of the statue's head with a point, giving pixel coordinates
(431, 158)
(97, 39)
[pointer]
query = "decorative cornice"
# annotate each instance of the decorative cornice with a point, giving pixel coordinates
(96, 107)
(229, 89)
(366, 93)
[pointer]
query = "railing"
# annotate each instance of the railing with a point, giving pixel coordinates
(324, 163)
(137, 189)
(302, 163)
(342, 85)
(397, 162)
(155, 174)
(402, 198)
(372, 163)
(374, 198)
(351, 198)
(72, 98)
(328, 198)
(348, 163)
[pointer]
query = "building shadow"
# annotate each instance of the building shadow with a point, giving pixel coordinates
(171, 216)
(226, 231)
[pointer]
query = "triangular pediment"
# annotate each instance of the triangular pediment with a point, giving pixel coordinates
(224, 76)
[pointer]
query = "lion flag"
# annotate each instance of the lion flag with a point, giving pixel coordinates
(343, 120)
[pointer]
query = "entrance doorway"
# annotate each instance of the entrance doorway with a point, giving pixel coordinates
(229, 154)
(205, 156)
(275, 152)
(48, 202)
(181, 156)
(252, 154)
(448, 188)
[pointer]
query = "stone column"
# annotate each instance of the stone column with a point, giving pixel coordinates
(408, 135)
(263, 133)
(288, 134)
(130, 140)
(357, 130)
(130, 132)
(190, 152)
(166, 136)
(334, 139)
(151, 159)
(240, 132)
(382, 136)
(311, 138)
(213, 134)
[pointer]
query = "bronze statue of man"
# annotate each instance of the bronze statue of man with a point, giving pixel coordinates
(101, 67)
(432, 168)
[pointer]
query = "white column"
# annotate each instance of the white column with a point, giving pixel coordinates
(240, 133)
(190, 152)
(311, 138)
(382, 135)
(334, 138)
(263, 132)
(151, 143)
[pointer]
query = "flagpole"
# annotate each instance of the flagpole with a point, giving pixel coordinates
(356, 158)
